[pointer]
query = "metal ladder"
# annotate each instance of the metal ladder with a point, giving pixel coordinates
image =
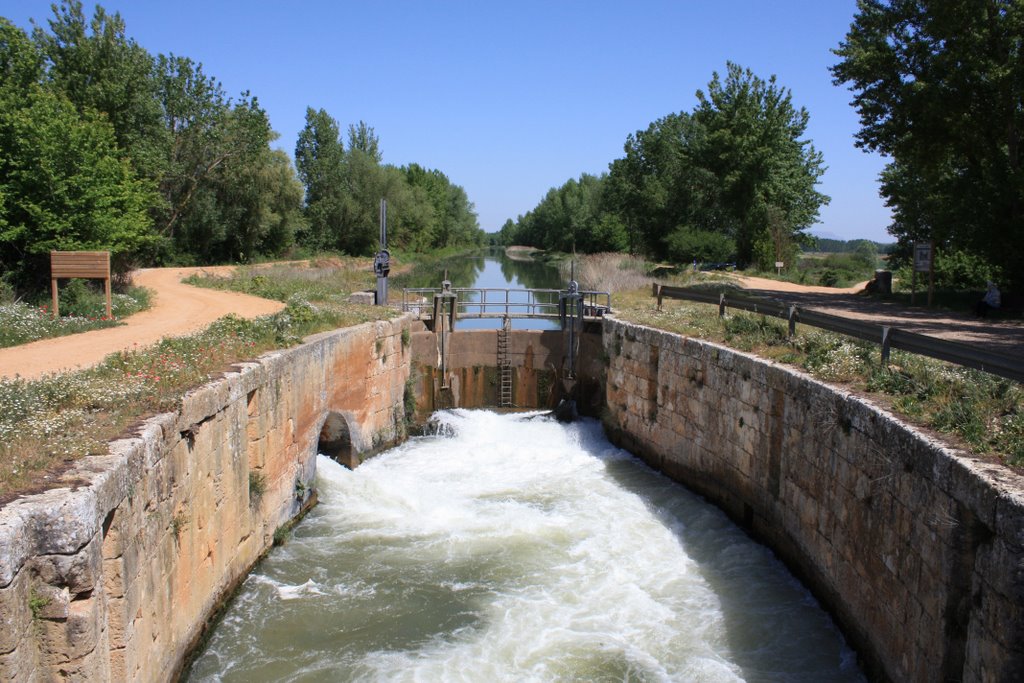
(504, 365)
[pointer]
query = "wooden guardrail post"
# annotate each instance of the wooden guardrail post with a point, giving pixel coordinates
(85, 264)
(721, 304)
(657, 293)
(886, 338)
(793, 316)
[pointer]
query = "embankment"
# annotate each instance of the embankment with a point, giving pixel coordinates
(113, 575)
(916, 549)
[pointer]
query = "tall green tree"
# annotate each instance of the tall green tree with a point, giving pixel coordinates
(448, 218)
(573, 218)
(939, 87)
(177, 127)
(362, 137)
(659, 187)
(720, 180)
(99, 68)
(319, 161)
(753, 146)
(344, 188)
(64, 183)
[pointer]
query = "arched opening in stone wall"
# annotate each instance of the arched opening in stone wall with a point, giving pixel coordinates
(336, 440)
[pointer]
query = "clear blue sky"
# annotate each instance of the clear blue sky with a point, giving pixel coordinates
(510, 99)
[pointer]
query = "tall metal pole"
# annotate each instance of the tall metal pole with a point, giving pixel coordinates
(382, 262)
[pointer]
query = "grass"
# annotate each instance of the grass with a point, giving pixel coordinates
(325, 281)
(21, 322)
(609, 272)
(52, 421)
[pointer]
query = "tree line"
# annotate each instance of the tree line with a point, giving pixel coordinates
(105, 146)
(939, 87)
(343, 187)
(732, 180)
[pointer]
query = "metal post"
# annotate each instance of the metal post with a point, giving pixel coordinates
(382, 261)
(570, 309)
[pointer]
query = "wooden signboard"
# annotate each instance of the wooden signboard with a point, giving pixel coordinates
(86, 264)
(924, 262)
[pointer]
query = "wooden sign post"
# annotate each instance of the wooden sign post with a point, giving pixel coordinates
(88, 264)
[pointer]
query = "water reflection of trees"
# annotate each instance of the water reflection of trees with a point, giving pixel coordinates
(531, 274)
(464, 271)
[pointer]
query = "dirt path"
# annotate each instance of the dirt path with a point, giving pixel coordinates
(1003, 336)
(762, 283)
(176, 309)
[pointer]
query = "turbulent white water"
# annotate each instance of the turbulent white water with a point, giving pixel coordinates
(520, 549)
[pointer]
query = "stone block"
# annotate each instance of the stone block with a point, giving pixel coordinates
(15, 611)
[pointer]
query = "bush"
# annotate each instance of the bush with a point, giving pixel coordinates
(828, 278)
(960, 270)
(956, 271)
(21, 323)
(685, 244)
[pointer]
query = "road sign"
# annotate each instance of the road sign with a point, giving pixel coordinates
(923, 257)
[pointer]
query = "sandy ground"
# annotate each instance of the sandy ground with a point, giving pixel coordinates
(1002, 336)
(176, 309)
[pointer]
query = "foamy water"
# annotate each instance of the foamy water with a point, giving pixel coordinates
(519, 549)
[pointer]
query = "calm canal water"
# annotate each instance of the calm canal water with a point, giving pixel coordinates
(490, 269)
(516, 548)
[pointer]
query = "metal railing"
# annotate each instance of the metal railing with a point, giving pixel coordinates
(887, 336)
(485, 302)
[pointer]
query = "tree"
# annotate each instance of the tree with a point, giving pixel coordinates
(344, 188)
(753, 146)
(179, 129)
(718, 182)
(658, 186)
(939, 88)
(361, 137)
(97, 67)
(571, 218)
(319, 159)
(210, 140)
(63, 181)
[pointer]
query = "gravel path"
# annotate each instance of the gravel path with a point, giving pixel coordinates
(176, 309)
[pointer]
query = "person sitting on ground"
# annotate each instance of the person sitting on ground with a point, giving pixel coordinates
(990, 302)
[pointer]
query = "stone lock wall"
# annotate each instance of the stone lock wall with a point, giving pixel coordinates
(114, 575)
(916, 549)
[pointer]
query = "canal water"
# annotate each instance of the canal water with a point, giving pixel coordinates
(511, 547)
(490, 269)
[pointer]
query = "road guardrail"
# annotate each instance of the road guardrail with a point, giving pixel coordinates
(887, 336)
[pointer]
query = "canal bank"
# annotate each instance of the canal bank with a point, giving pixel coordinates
(113, 574)
(916, 549)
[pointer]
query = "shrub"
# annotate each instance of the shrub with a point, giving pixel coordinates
(257, 487)
(685, 245)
